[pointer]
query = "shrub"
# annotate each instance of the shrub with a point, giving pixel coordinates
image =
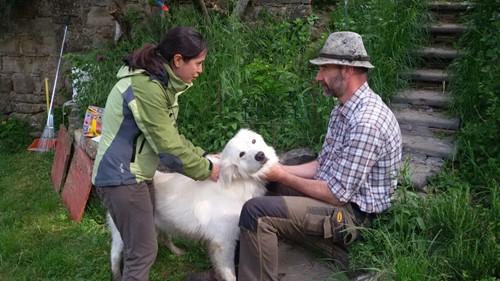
(14, 135)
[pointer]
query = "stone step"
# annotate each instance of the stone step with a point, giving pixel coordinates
(429, 75)
(447, 12)
(445, 33)
(428, 146)
(437, 56)
(448, 7)
(422, 97)
(420, 170)
(418, 120)
(446, 28)
(442, 52)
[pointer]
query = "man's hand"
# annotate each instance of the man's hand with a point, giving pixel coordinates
(276, 173)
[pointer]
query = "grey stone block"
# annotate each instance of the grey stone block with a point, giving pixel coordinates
(297, 156)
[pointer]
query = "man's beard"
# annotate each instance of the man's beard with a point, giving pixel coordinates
(335, 88)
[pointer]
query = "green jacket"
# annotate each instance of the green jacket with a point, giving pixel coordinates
(139, 130)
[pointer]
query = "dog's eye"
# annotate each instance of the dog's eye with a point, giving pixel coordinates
(254, 141)
(242, 154)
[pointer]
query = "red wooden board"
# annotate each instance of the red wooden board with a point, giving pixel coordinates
(61, 158)
(78, 184)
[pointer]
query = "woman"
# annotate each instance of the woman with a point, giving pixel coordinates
(139, 131)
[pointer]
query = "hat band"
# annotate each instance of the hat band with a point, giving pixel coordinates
(341, 57)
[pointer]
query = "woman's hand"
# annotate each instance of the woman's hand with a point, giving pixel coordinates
(214, 175)
(214, 158)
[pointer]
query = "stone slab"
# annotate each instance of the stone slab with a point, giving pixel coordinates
(298, 264)
(61, 158)
(430, 146)
(78, 184)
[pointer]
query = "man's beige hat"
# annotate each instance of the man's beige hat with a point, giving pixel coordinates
(344, 48)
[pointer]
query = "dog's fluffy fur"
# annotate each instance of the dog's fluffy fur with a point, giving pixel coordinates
(209, 211)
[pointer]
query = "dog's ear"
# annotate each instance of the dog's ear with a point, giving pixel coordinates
(228, 172)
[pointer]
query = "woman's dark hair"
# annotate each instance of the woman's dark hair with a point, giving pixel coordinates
(179, 40)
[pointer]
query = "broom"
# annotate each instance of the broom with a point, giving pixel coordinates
(47, 140)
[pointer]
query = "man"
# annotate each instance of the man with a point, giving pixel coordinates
(352, 179)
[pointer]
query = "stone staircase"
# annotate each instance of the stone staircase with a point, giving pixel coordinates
(426, 127)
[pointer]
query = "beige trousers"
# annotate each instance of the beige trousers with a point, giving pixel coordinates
(310, 222)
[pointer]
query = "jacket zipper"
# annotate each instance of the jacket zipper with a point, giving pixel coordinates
(134, 146)
(142, 145)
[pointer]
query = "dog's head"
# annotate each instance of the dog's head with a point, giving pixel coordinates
(246, 156)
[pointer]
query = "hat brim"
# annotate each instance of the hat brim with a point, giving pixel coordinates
(323, 61)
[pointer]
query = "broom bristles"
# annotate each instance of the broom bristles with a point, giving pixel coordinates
(47, 139)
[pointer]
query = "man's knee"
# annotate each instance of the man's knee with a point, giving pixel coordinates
(255, 208)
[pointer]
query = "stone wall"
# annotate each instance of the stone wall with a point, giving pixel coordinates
(30, 43)
(293, 9)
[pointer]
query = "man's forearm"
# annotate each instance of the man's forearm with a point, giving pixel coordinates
(307, 170)
(317, 189)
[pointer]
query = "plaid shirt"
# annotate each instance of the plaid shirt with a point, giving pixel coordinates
(361, 154)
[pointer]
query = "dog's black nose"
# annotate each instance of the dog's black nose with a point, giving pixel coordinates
(260, 156)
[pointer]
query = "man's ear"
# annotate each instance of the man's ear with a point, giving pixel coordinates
(346, 69)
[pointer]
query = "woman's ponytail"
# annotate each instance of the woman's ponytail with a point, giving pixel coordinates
(146, 58)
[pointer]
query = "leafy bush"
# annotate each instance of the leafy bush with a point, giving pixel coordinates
(266, 88)
(94, 74)
(14, 135)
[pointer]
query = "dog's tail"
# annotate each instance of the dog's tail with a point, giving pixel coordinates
(116, 252)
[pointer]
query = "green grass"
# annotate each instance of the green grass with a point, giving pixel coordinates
(39, 241)
(443, 236)
(37, 238)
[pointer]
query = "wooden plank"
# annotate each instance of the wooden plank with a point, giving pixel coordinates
(78, 184)
(61, 158)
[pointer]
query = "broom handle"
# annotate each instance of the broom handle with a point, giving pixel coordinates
(47, 94)
(57, 70)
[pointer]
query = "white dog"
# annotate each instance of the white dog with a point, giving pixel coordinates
(209, 211)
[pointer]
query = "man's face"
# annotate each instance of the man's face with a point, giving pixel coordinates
(331, 79)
